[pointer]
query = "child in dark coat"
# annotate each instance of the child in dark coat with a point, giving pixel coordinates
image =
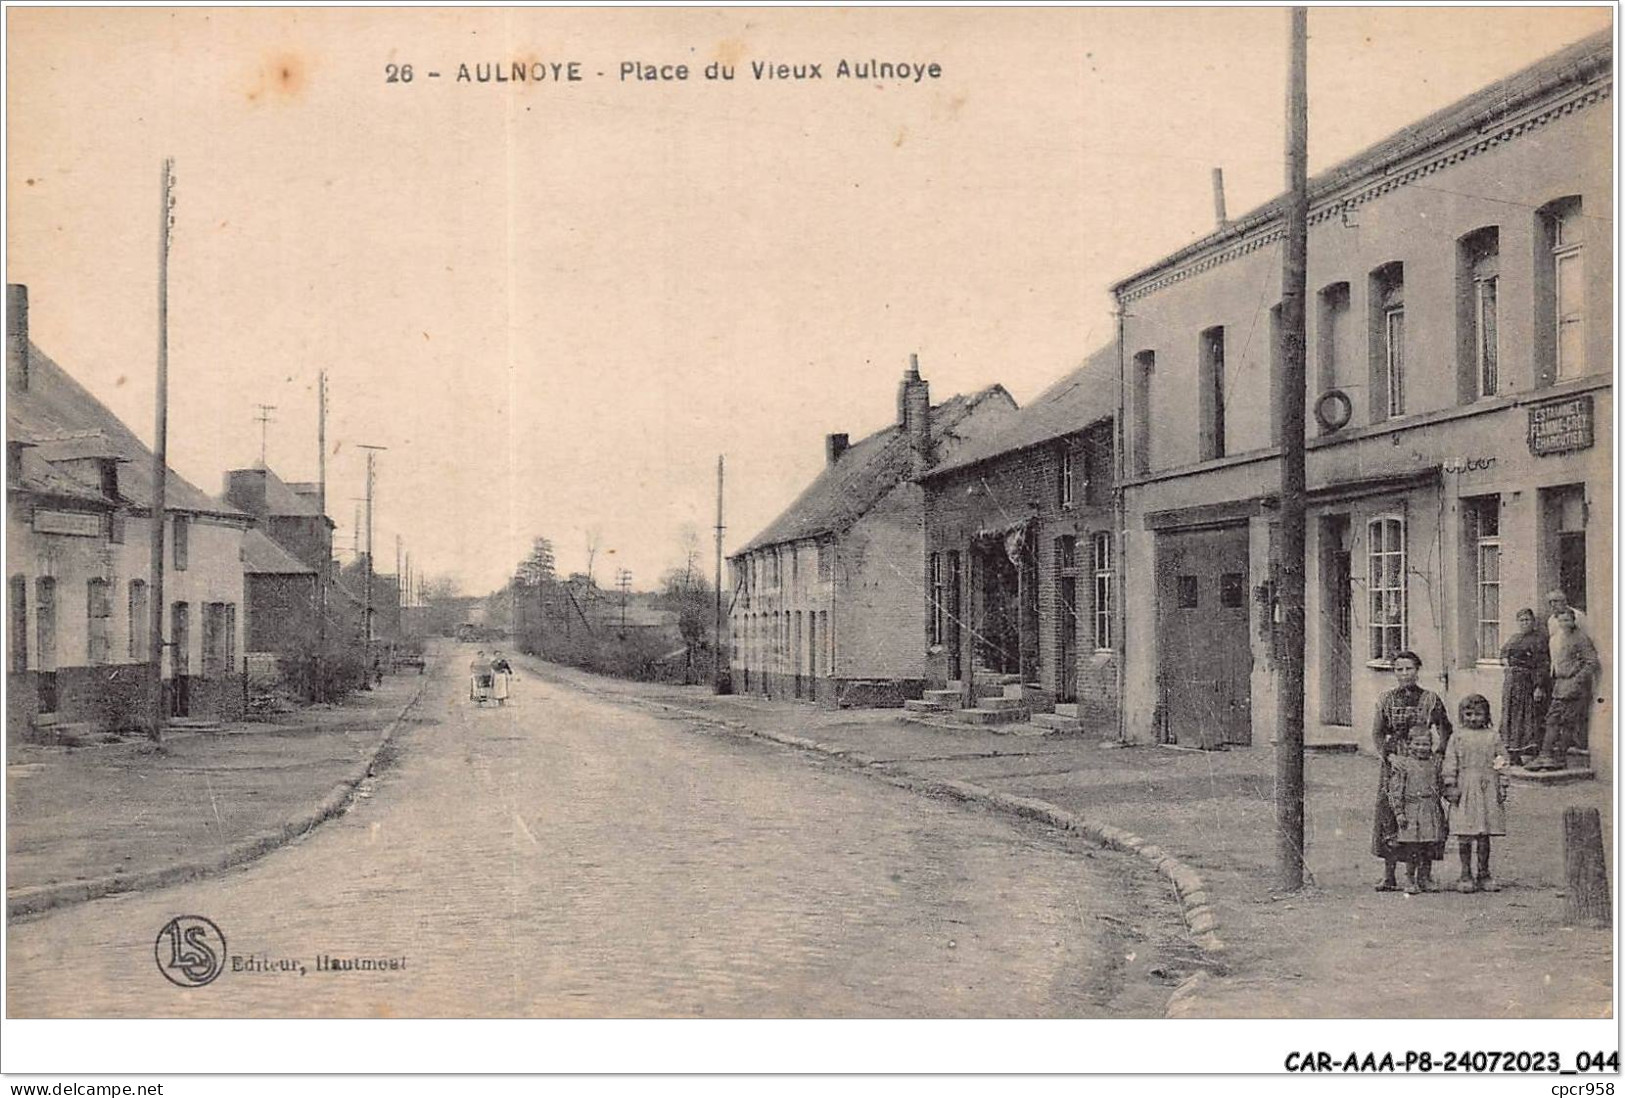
(1413, 793)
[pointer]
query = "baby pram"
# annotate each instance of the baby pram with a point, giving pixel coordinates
(479, 687)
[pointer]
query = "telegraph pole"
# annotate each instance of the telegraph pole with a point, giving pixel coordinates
(1289, 799)
(372, 453)
(160, 461)
(324, 575)
(718, 668)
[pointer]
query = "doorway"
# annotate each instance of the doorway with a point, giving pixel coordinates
(45, 634)
(1336, 622)
(1205, 657)
(180, 637)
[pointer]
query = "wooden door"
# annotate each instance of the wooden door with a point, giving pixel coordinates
(1205, 658)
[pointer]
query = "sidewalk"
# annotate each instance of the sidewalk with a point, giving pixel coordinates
(1337, 949)
(88, 821)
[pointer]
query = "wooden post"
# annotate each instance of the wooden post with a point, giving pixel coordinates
(1289, 801)
(160, 464)
(1586, 901)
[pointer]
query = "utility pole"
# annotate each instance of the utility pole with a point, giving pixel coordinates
(719, 682)
(326, 574)
(160, 460)
(1289, 802)
(372, 454)
(623, 580)
(265, 419)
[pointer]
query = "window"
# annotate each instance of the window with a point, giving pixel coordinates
(938, 602)
(1559, 285)
(1145, 365)
(1569, 283)
(1482, 515)
(1212, 396)
(17, 590)
(1097, 464)
(1478, 318)
(1189, 593)
(99, 621)
(1103, 589)
(1232, 590)
(181, 527)
(1385, 582)
(229, 639)
(1066, 553)
(140, 626)
(826, 561)
(1064, 488)
(1388, 341)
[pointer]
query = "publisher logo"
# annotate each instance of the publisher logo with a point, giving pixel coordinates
(190, 951)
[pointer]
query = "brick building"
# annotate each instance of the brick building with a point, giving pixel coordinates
(287, 558)
(1020, 541)
(1460, 363)
(78, 509)
(828, 601)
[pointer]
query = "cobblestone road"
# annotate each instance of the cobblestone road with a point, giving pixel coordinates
(564, 857)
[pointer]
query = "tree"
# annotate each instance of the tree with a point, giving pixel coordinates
(537, 569)
(595, 538)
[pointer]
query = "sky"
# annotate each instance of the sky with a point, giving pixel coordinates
(556, 303)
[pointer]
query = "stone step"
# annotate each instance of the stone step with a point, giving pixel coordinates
(991, 716)
(924, 705)
(1057, 722)
(948, 699)
(1066, 709)
(1332, 747)
(1004, 703)
(999, 678)
(1574, 773)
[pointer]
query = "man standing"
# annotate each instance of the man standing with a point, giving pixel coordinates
(1556, 603)
(1574, 668)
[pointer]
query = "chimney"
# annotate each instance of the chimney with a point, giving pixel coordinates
(1218, 200)
(834, 447)
(914, 414)
(17, 337)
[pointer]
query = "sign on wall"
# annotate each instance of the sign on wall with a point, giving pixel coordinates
(1561, 426)
(78, 524)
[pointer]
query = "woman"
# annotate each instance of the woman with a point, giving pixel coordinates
(1405, 707)
(501, 672)
(1524, 688)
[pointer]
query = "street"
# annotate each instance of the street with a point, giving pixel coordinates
(566, 856)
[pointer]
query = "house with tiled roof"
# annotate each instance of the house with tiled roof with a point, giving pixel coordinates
(827, 601)
(288, 560)
(78, 518)
(1020, 558)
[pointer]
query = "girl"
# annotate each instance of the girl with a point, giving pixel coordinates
(1475, 784)
(1413, 794)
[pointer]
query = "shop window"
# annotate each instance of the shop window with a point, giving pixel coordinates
(1482, 519)
(1385, 585)
(1102, 544)
(1478, 344)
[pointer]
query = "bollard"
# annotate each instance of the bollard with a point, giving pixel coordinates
(1587, 901)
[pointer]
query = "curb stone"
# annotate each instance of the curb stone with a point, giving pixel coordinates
(33, 901)
(1195, 905)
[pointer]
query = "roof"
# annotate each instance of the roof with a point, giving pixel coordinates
(262, 557)
(55, 406)
(1586, 60)
(844, 492)
(41, 478)
(1083, 397)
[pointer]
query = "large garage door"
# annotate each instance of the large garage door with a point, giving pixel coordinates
(1205, 660)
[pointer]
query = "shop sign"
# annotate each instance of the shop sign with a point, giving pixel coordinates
(77, 524)
(1561, 426)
